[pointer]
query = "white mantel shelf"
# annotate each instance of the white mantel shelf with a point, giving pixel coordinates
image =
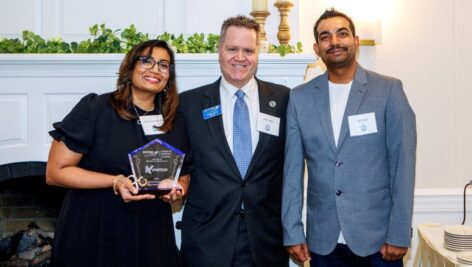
(39, 89)
(100, 65)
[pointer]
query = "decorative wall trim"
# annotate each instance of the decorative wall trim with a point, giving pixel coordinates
(106, 65)
(440, 200)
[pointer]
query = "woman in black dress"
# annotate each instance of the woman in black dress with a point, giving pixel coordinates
(103, 221)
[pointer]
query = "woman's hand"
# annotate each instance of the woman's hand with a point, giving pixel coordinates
(123, 187)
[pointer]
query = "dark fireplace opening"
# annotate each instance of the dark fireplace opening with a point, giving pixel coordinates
(28, 199)
(28, 213)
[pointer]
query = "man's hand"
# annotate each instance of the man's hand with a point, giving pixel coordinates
(299, 252)
(392, 253)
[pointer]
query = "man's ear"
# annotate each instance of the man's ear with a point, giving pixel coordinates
(356, 41)
(316, 48)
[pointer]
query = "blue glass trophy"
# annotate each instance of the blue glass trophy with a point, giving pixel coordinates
(156, 167)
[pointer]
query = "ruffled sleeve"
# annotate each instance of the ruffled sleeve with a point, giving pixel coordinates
(76, 130)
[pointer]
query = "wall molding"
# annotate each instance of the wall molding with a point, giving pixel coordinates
(444, 200)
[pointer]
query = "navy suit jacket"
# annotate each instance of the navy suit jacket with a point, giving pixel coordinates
(364, 186)
(211, 214)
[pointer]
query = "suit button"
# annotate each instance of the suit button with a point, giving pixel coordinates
(338, 163)
(243, 184)
(178, 225)
(338, 192)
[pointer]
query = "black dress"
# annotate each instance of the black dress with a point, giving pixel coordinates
(95, 227)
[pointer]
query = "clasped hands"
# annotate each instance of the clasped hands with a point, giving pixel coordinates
(124, 187)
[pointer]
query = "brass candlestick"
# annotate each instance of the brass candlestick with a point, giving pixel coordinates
(260, 17)
(284, 28)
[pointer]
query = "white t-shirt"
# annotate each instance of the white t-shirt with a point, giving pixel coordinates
(338, 96)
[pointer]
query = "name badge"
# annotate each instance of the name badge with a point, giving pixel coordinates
(209, 113)
(362, 124)
(268, 124)
(151, 124)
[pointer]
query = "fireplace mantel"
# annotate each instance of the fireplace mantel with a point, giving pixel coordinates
(39, 89)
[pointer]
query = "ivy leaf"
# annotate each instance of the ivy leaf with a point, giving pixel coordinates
(93, 30)
(11, 46)
(105, 40)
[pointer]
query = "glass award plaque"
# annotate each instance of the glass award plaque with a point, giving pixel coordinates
(156, 167)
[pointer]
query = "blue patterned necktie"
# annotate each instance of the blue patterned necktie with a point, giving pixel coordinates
(242, 144)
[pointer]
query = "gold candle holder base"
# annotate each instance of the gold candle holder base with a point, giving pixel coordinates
(284, 28)
(260, 17)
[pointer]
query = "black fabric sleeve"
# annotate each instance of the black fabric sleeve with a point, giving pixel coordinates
(76, 130)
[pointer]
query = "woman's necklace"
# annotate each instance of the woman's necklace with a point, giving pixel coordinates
(137, 114)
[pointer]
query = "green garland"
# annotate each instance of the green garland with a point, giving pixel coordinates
(109, 41)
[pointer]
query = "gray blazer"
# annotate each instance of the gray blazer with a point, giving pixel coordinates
(365, 185)
(212, 210)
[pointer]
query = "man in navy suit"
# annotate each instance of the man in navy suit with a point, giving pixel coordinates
(236, 130)
(357, 134)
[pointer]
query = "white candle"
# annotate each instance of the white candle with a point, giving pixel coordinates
(284, 1)
(259, 5)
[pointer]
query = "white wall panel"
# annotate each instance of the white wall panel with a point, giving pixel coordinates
(201, 18)
(50, 20)
(18, 15)
(463, 100)
(77, 16)
(14, 120)
(174, 16)
(57, 107)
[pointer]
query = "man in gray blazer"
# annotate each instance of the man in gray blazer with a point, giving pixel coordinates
(357, 134)
(236, 130)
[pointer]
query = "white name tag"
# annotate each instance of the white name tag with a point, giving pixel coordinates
(151, 124)
(268, 124)
(362, 124)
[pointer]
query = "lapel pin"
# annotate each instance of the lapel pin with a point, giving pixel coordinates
(272, 104)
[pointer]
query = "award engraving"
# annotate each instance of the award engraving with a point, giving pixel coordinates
(156, 167)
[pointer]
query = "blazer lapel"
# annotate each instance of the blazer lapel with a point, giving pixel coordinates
(212, 98)
(354, 101)
(265, 97)
(321, 98)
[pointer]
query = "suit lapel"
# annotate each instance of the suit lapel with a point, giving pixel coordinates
(321, 98)
(265, 96)
(354, 101)
(212, 98)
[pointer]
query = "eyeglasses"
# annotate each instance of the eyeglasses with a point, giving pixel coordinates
(149, 63)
